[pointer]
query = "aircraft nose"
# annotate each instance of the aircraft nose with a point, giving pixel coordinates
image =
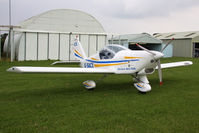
(158, 55)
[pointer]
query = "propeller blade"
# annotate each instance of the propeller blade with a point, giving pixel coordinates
(145, 49)
(167, 45)
(159, 71)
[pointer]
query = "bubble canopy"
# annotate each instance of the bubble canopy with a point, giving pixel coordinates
(109, 51)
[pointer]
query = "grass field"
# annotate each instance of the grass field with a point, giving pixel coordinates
(59, 103)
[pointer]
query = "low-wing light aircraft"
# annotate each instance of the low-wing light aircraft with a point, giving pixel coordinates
(112, 59)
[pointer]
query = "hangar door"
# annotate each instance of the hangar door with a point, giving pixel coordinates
(56, 46)
(195, 50)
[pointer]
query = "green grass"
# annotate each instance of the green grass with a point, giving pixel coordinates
(59, 103)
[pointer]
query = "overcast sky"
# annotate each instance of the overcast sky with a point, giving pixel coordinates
(116, 16)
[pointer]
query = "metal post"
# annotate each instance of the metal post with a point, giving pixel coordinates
(59, 47)
(12, 47)
(70, 36)
(88, 45)
(8, 47)
(96, 43)
(10, 12)
(48, 52)
(119, 40)
(106, 41)
(37, 46)
(24, 45)
(112, 39)
(10, 35)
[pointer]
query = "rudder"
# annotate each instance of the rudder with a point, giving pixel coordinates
(78, 50)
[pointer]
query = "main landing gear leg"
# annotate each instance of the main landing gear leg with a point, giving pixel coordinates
(103, 77)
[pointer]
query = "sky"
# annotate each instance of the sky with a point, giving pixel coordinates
(116, 16)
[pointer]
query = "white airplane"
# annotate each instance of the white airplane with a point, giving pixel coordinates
(112, 59)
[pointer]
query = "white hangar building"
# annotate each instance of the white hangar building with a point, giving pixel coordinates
(50, 35)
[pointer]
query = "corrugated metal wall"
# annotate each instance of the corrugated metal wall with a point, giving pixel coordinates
(181, 48)
(56, 46)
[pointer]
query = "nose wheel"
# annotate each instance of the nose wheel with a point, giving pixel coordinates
(142, 84)
(142, 87)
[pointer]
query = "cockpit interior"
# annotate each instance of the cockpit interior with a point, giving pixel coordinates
(109, 51)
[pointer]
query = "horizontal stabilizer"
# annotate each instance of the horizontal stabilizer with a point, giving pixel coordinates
(58, 70)
(176, 64)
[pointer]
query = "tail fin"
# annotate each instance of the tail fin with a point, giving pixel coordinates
(78, 50)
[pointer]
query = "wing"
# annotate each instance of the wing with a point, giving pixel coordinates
(64, 62)
(176, 64)
(58, 70)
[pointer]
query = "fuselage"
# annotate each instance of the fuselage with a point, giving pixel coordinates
(123, 62)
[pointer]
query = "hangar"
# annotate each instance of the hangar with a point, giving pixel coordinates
(145, 39)
(129, 40)
(186, 44)
(50, 35)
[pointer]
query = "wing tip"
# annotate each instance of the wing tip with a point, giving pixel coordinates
(13, 69)
(188, 63)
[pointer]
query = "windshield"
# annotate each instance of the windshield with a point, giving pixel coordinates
(109, 51)
(115, 48)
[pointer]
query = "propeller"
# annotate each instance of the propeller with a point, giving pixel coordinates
(157, 56)
(145, 49)
(167, 44)
(159, 71)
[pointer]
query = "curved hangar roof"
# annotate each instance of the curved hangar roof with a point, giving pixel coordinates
(63, 20)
